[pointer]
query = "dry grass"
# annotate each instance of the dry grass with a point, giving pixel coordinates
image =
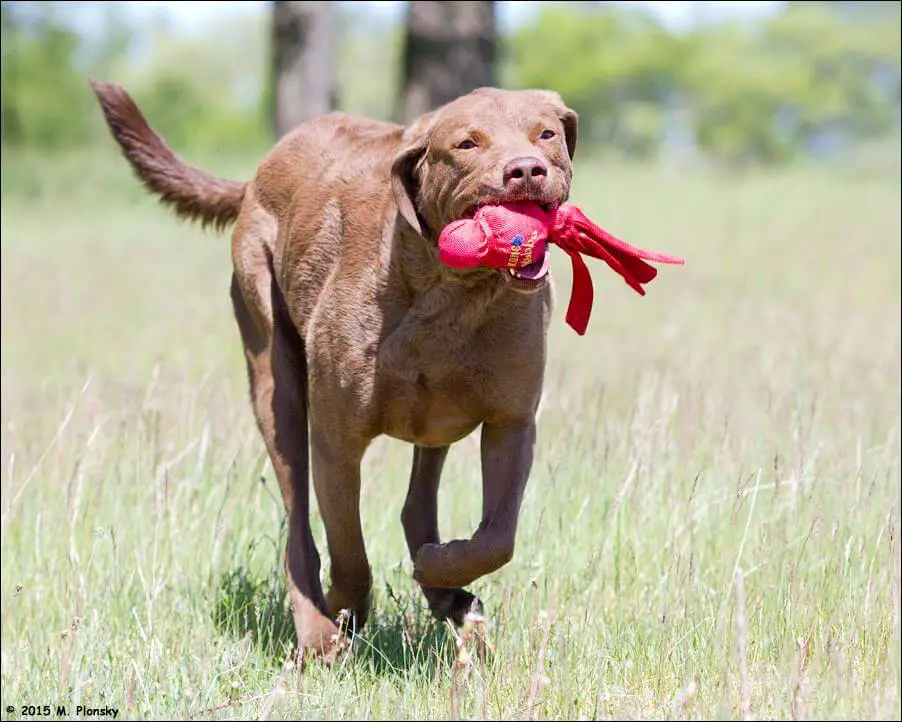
(710, 531)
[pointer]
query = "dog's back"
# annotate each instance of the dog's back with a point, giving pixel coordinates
(325, 152)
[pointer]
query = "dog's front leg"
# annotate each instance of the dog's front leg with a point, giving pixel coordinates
(506, 461)
(420, 520)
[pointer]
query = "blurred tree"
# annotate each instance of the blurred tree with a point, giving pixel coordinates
(115, 39)
(616, 67)
(217, 106)
(449, 50)
(302, 57)
(743, 93)
(44, 100)
(369, 56)
(812, 78)
(851, 60)
(10, 121)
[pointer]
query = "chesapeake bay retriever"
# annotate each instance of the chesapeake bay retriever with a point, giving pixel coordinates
(352, 327)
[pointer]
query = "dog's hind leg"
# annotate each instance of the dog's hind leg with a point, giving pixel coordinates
(420, 520)
(277, 373)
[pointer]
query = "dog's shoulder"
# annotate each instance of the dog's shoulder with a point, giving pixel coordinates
(337, 136)
(324, 157)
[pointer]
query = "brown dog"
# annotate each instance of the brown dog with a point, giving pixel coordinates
(353, 328)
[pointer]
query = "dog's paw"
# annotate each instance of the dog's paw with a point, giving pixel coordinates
(328, 651)
(453, 604)
(329, 656)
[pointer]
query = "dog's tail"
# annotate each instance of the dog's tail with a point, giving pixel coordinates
(193, 193)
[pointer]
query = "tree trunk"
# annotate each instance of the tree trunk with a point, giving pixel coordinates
(302, 53)
(449, 50)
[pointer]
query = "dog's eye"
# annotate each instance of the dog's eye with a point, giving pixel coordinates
(547, 135)
(466, 144)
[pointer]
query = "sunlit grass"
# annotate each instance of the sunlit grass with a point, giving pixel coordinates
(738, 429)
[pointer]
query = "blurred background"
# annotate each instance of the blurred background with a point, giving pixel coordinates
(725, 82)
(758, 141)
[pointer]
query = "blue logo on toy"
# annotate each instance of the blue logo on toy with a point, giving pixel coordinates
(518, 240)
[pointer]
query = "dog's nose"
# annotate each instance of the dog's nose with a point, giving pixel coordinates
(521, 172)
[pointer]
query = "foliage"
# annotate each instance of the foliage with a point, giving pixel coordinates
(41, 101)
(765, 92)
(369, 72)
(198, 92)
(215, 106)
(812, 78)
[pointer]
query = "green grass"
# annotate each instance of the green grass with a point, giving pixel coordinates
(711, 528)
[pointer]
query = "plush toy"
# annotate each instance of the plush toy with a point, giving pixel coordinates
(513, 236)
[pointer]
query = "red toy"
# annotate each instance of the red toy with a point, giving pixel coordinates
(513, 236)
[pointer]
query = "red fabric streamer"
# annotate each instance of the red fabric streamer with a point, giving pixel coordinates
(514, 235)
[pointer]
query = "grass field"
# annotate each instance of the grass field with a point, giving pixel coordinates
(711, 529)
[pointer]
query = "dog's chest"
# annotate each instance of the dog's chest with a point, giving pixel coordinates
(433, 409)
(437, 400)
(429, 373)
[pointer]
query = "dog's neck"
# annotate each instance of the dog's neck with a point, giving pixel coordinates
(424, 274)
(442, 310)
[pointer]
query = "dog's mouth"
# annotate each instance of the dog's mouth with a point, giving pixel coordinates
(530, 278)
(545, 206)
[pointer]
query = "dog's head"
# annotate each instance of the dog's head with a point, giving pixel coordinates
(488, 147)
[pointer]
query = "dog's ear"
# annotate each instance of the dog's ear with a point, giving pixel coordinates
(570, 119)
(568, 116)
(405, 180)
